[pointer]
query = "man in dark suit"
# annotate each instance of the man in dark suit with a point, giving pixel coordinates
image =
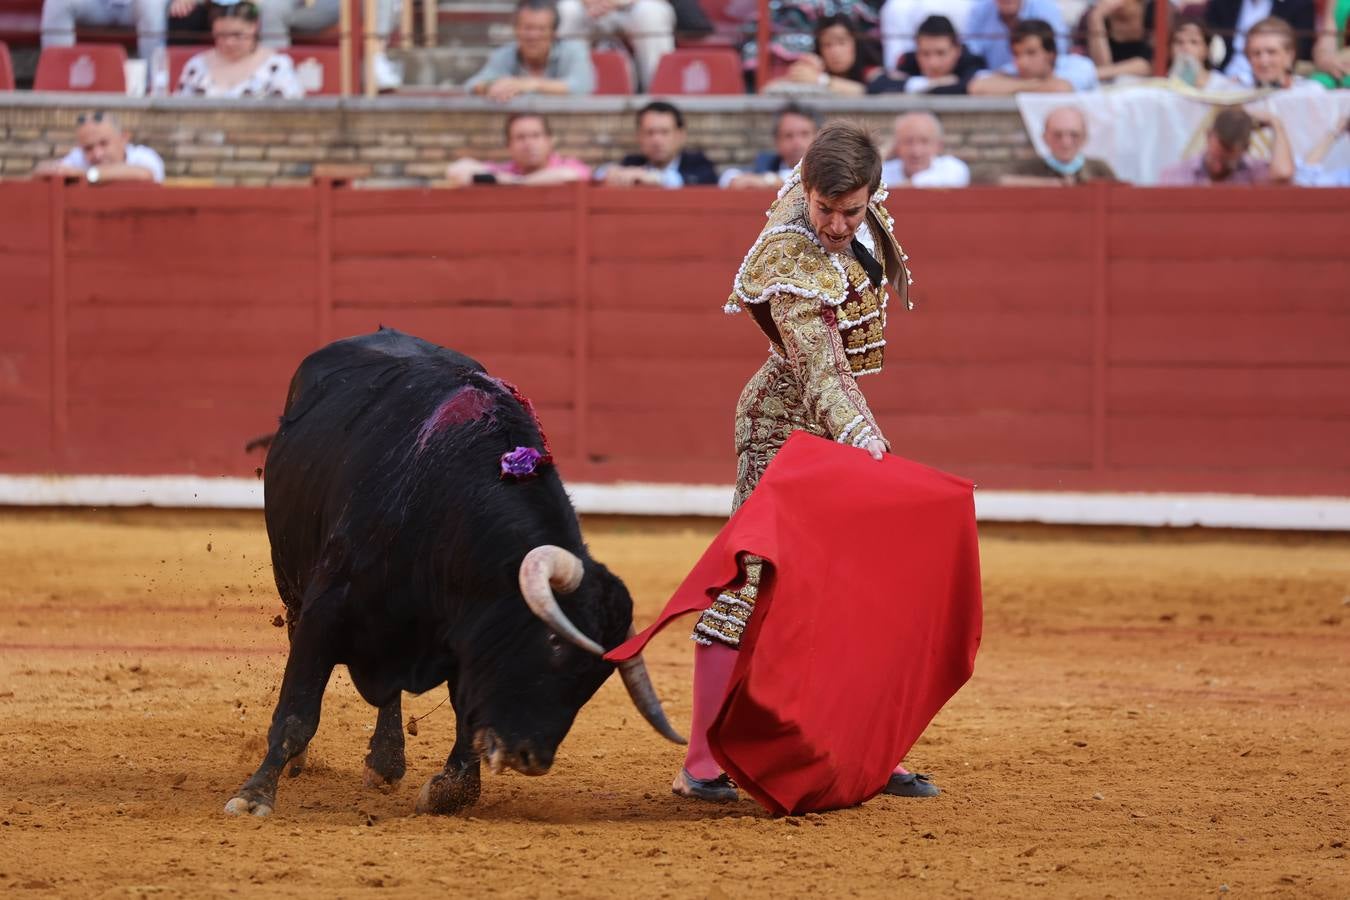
(663, 161)
(1230, 19)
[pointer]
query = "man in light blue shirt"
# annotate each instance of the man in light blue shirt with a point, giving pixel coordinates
(992, 20)
(536, 62)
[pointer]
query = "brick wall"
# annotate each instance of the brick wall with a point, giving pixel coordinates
(409, 140)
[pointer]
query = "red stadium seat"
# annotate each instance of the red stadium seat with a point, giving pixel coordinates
(613, 74)
(688, 71)
(6, 69)
(93, 68)
(178, 58)
(319, 68)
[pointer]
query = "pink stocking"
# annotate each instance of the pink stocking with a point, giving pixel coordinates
(712, 673)
(900, 770)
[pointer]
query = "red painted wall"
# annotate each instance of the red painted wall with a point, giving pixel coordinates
(1102, 338)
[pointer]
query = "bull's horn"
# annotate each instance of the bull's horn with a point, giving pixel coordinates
(635, 678)
(543, 570)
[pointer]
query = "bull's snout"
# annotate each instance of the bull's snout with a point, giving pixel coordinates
(523, 757)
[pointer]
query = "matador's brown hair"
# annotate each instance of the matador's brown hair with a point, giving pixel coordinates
(840, 160)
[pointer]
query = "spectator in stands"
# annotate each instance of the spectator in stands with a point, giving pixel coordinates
(1329, 51)
(792, 26)
(1190, 62)
(647, 25)
(902, 23)
(663, 161)
(941, 64)
(1065, 135)
(793, 130)
(103, 154)
(1231, 20)
(840, 65)
(1270, 51)
(1311, 173)
(536, 62)
(238, 65)
(991, 24)
(917, 157)
(1036, 66)
(533, 159)
(149, 17)
(1225, 160)
(1119, 37)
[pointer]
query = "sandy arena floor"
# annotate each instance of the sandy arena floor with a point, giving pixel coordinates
(1151, 715)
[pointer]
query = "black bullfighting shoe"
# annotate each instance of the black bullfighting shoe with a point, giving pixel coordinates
(910, 785)
(715, 790)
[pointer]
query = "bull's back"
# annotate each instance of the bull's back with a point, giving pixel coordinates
(351, 417)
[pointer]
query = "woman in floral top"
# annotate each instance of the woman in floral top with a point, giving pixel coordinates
(238, 66)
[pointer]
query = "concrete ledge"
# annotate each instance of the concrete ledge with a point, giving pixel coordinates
(1149, 510)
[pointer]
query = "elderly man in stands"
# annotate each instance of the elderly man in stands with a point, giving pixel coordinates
(989, 30)
(103, 154)
(663, 160)
(793, 130)
(1036, 67)
(917, 157)
(648, 26)
(533, 159)
(1065, 134)
(940, 64)
(536, 62)
(1225, 159)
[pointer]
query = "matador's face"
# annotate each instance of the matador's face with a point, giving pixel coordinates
(836, 219)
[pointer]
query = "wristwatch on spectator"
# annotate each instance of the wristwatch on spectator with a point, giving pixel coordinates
(91, 175)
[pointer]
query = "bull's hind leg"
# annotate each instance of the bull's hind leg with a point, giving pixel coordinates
(385, 763)
(459, 785)
(296, 717)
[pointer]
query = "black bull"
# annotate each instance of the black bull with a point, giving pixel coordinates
(400, 552)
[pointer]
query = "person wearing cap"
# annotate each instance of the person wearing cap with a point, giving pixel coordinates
(103, 155)
(1225, 160)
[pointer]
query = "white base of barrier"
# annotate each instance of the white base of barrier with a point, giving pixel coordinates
(1157, 510)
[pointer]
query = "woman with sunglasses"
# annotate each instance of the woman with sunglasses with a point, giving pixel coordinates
(238, 66)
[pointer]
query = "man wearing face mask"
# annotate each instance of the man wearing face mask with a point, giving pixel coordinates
(815, 283)
(1065, 135)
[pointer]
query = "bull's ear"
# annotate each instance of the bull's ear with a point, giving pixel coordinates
(616, 605)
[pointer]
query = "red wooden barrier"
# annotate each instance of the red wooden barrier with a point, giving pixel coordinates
(1093, 339)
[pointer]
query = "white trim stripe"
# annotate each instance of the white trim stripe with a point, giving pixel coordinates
(651, 499)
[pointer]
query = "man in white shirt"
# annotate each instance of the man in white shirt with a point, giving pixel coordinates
(918, 160)
(102, 154)
(647, 25)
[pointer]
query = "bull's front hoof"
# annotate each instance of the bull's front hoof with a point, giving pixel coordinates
(445, 795)
(377, 782)
(239, 806)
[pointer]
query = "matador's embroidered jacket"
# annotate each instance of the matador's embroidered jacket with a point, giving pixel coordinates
(825, 316)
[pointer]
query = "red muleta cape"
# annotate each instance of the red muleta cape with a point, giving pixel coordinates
(868, 624)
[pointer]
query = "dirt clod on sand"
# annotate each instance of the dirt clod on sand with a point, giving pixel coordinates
(1153, 714)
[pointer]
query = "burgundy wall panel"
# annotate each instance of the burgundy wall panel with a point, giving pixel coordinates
(1105, 338)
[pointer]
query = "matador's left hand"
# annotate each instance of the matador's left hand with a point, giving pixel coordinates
(876, 448)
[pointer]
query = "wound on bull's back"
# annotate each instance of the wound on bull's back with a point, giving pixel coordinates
(468, 404)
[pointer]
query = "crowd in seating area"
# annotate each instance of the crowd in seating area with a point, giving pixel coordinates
(1239, 49)
(842, 47)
